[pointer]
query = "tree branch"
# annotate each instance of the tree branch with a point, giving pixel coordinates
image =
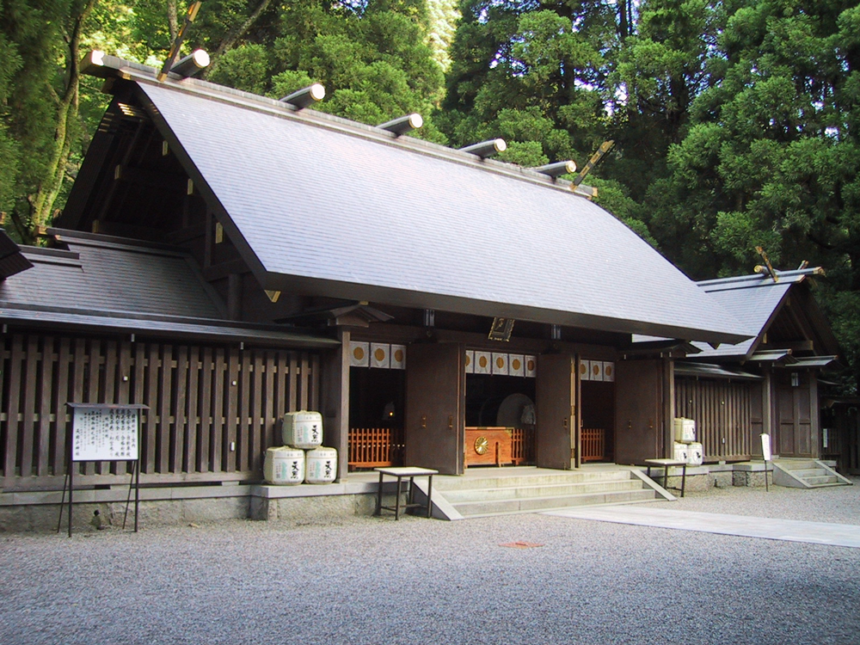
(234, 35)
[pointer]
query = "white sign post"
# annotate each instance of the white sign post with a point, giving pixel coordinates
(766, 453)
(104, 432)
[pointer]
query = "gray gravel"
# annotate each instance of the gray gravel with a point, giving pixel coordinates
(373, 580)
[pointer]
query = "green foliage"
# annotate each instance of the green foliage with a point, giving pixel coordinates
(735, 123)
(245, 68)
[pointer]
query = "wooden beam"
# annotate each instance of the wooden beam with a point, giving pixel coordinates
(224, 269)
(168, 182)
(794, 346)
(126, 230)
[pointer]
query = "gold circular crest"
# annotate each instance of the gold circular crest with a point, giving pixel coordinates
(358, 352)
(481, 445)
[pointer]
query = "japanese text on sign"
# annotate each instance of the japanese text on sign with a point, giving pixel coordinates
(105, 434)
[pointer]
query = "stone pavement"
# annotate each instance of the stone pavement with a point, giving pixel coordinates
(847, 535)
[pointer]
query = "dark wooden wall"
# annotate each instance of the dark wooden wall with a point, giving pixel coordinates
(213, 411)
(727, 415)
(640, 388)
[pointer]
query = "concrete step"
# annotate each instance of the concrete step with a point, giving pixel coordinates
(808, 472)
(822, 480)
(458, 496)
(508, 481)
(803, 473)
(530, 490)
(534, 504)
(798, 464)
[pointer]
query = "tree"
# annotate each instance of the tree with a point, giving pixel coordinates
(772, 154)
(41, 103)
(371, 56)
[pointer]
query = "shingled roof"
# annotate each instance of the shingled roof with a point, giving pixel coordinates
(756, 301)
(323, 206)
(109, 284)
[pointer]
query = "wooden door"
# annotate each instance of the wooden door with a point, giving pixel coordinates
(639, 411)
(556, 431)
(794, 419)
(435, 404)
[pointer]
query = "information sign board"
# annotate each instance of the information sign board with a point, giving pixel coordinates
(105, 433)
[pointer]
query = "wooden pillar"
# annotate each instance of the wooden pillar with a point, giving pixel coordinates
(334, 400)
(814, 416)
(576, 436)
(767, 410)
(668, 408)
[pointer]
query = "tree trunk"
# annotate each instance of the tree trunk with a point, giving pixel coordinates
(172, 20)
(67, 110)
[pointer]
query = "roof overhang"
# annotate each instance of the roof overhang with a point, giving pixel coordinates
(709, 370)
(819, 362)
(156, 326)
(12, 261)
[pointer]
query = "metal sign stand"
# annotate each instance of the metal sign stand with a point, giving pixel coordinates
(103, 432)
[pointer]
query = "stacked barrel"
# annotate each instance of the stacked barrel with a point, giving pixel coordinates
(686, 447)
(302, 458)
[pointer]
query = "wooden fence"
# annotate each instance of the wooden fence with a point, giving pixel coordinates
(213, 411)
(593, 444)
(724, 415)
(375, 447)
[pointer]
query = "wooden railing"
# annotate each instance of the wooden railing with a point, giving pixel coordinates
(375, 447)
(593, 444)
(523, 445)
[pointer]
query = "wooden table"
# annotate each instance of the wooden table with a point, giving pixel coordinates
(666, 464)
(401, 472)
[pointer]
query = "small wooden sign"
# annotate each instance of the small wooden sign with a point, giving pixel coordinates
(765, 447)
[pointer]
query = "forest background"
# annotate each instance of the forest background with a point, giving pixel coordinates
(736, 122)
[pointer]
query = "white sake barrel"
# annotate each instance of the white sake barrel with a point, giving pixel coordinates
(695, 454)
(303, 429)
(284, 466)
(321, 466)
(682, 452)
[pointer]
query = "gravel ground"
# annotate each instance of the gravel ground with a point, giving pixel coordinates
(371, 580)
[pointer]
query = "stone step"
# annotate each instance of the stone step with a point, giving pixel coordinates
(457, 496)
(491, 481)
(534, 504)
(804, 473)
(822, 480)
(797, 464)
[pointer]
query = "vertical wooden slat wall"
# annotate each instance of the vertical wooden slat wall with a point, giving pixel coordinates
(723, 415)
(211, 410)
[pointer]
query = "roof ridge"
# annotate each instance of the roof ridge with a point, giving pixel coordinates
(760, 280)
(198, 87)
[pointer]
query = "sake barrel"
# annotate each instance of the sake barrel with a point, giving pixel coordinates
(321, 465)
(695, 454)
(284, 466)
(303, 429)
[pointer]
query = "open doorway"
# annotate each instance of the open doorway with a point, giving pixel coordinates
(598, 421)
(500, 420)
(376, 417)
